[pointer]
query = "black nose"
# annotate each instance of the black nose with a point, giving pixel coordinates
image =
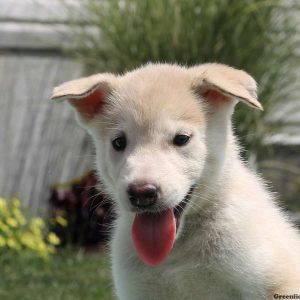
(142, 195)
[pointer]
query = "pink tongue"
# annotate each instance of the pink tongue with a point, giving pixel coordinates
(153, 236)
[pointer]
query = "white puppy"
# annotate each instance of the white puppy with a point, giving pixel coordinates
(193, 222)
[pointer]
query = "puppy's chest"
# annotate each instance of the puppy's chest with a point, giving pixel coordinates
(189, 273)
(190, 281)
(197, 268)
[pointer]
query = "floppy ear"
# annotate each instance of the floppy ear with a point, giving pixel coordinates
(87, 95)
(220, 84)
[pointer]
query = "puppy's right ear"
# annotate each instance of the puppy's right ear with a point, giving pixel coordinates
(87, 95)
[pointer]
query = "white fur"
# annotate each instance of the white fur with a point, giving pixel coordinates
(234, 241)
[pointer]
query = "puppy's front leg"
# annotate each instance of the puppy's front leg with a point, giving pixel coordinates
(126, 274)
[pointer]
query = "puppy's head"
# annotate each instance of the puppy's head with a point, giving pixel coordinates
(158, 129)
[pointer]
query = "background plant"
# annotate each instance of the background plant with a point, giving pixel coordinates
(23, 235)
(260, 36)
(256, 35)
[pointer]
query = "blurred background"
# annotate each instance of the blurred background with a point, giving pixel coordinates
(48, 192)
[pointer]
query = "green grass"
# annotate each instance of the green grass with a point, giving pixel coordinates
(69, 275)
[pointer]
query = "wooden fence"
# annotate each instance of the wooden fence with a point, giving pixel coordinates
(40, 142)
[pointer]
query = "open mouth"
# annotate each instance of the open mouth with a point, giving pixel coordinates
(154, 234)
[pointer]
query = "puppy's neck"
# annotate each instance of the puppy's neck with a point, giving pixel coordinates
(222, 158)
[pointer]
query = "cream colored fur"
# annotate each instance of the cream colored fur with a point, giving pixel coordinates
(234, 241)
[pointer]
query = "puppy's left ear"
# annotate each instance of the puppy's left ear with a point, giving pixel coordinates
(87, 95)
(219, 84)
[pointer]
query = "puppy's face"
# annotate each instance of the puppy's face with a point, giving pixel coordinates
(152, 128)
(150, 139)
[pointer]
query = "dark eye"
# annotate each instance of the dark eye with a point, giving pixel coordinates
(181, 139)
(119, 143)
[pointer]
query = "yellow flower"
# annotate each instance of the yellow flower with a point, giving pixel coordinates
(61, 221)
(12, 222)
(53, 239)
(18, 216)
(18, 234)
(27, 239)
(41, 246)
(11, 243)
(5, 229)
(16, 202)
(42, 249)
(37, 224)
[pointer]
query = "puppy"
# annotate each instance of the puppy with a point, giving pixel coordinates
(193, 221)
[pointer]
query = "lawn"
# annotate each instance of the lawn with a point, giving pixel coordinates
(70, 275)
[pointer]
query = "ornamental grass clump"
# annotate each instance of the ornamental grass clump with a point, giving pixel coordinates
(22, 235)
(259, 36)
